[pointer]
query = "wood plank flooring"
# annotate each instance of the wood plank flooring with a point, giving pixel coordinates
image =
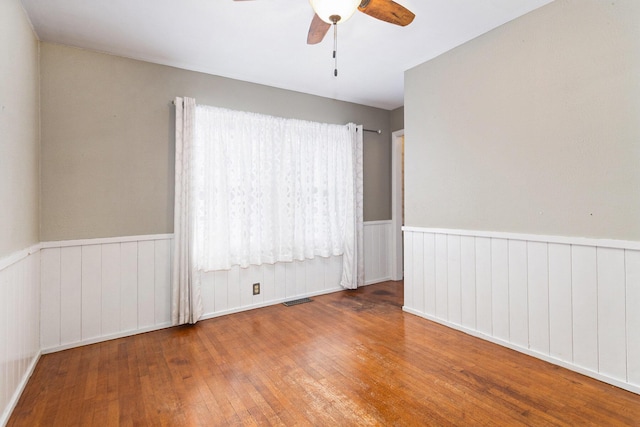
(348, 358)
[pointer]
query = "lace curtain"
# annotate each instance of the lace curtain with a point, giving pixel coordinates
(258, 189)
(269, 189)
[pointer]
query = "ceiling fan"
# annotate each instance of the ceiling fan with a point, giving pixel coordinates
(331, 12)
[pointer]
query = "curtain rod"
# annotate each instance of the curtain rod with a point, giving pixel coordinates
(378, 131)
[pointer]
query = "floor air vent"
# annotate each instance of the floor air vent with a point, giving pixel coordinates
(297, 301)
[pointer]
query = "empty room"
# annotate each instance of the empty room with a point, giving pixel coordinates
(324, 212)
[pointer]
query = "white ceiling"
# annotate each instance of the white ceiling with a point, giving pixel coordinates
(264, 41)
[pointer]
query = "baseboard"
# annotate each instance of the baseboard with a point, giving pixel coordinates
(377, 280)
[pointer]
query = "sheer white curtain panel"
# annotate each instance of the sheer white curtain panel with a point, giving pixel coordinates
(269, 189)
(353, 255)
(186, 301)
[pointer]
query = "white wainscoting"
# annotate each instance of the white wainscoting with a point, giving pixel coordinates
(19, 324)
(377, 251)
(98, 289)
(59, 295)
(231, 291)
(571, 301)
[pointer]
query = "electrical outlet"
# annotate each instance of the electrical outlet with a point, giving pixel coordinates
(256, 288)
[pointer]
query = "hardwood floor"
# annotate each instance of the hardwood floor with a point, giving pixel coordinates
(348, 358)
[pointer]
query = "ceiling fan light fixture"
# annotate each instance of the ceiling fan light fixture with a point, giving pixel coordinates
(334, 11)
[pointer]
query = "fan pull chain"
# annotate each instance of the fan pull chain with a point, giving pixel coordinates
(335, 49)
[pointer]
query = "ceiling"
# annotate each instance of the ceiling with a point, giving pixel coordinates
(264, 41)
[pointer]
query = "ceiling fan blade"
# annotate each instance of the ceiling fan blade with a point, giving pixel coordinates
(388, 11)
(317, 30)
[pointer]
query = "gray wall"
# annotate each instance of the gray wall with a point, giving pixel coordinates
(19, 130)
(108, 140)
(397, 119)
(533, 127)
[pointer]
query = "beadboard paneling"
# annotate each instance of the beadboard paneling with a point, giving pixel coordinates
(72, 293)
(584, 285)
(573, 304)
(483, 287)
(632, 267)
(377, 251)
(19, 325)
(538, 296)
(100, 289)
(468, 282)
(231, 291)
(560, 302)
(612, 325)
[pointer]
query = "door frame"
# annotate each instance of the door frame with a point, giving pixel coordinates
(397, 267)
